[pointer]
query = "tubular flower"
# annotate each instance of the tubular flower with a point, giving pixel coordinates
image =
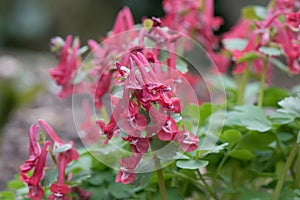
(60, 189)
(36, 162)
(187, 140)
(64, 73)
(126, 174)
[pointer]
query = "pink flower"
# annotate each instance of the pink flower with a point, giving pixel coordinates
(239, 30)
(292, 51)
(293, 20)
(109, 129)
(221, 62)
(70, 154)
(83, 194)
(138, 145)
(194, 18)
(126, 174)
(36, 161)
(151, 87)
(132, 121)
(102, 88)
(60, 189)
(124, 21)
(65, 71)
(34, 154)
(187, 140)
(35, 190)
(168, 131)
(287, 5)
(89, 128)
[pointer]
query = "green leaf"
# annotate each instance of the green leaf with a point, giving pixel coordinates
(247, 57)
(281, 118)
(254, 140)
(50, 177)
(191, 164)
(181, 66)
(280, 65)
(63, 148)
(254, 12)
(290, 105)
(100, 178)
(231, 136)
(80, 176)
(119, 191)
(7, 195)
(15, 184)
(254, 195)
(163, 55)
(250, 117)
(235, 44)
(241, 154)
(298, 137)
(271, 51)
(118, 92)
(273, 95)
(289, 111)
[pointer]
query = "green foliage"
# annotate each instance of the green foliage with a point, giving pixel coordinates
(250, 117)
(270, 51)
(254, 12)
(191, 164)
(235, 44)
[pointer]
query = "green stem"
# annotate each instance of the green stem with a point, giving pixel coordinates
(284, 171)
(104, 114)
(242, 86)
(210, 191)
(219, 169)
(297, 178)
(161, 182)
(262, 83)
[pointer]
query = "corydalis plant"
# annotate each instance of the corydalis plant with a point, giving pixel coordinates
(61, 153)
(145, 111)
(136, 69)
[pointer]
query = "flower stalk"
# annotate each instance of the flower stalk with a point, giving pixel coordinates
(262, 83)
(242, 86)
(284, 171)
(161, 182)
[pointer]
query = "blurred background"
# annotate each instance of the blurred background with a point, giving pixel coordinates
(26, 91)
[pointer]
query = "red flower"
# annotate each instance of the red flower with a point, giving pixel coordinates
(65, 71)
(124, 21)
(133, 122)
(34, 154)
(138, 145)
(36, 161)
(292, 51)
(109, 129)
(60, 189)
(187, 140)
(89, 128)
(168, 131)
(126, 174)
(150, 86)
(102, 88)
(83, 194)
(293, 20)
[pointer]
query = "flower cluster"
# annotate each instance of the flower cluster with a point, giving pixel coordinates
(145, 111)
(268, 35)
(62, 154)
